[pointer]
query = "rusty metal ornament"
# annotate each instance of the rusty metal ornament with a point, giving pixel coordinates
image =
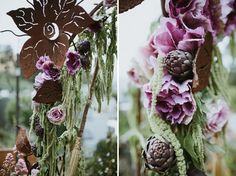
(50, 92)
(125, 5)
(202, 64)
(47, 24)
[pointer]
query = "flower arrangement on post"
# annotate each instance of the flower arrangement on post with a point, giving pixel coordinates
(75, 64)
(184, 84)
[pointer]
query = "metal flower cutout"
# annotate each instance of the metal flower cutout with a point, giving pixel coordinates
(47, 24)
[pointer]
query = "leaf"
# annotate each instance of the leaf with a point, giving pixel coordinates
(125, 5)
(202, 64)
(77, 20)
(22, 141)
(50, 92)
(24, 19)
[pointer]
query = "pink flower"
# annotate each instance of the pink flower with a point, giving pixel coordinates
(217, 115)
(40, 62)
(173, 37)
(175, 101)
(56, 115)
(51, 71)
(21, 168)
(73, 62)
(191, 13)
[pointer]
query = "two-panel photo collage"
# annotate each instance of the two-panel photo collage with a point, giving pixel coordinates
(118, 88)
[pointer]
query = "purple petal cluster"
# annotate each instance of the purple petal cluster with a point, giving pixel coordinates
(56, 115)
(73, 62)
(217, 115)
(172, 36)
(51, 70)
(40, 62)
(21, 168)
(175, 101)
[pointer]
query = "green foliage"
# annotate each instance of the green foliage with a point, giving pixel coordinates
(104, 161)
(24, 115)
(219, 77)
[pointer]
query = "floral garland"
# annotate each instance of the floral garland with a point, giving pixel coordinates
(184, 84)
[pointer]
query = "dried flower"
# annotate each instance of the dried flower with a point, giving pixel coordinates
(84, 47)
(21, 168)
(8, 165)
(217, 115)
(159, 155)
(56, 115)
(40, 62)
(73, 62)
(175, 101)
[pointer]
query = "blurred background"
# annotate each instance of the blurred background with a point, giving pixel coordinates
(15, 101)
(134, 29)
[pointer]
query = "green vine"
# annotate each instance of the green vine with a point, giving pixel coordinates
(159, 126)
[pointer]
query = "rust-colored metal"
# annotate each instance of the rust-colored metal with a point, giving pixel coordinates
(22, 142)
(50, 92)
(47, 24)
(125, 5)
(202, 64)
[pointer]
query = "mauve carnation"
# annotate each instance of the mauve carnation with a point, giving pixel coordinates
(40, 62)
(21, 168)
(50, 69)
(174, 37)
(175, 101)
(217, 115)
(73, 62)
(191, 13)
(56, 115)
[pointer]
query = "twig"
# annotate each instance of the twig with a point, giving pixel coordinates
(80, 1)
(84, 117)
(30, 3)
(18, 35)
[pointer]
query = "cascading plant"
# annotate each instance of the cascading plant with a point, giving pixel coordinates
(185, 84)
(74, 54)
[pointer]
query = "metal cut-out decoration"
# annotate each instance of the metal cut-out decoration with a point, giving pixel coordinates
(202, 64)
(50, 92)
(48, 24)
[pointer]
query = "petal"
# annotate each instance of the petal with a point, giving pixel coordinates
(24, 18)
(163, 43)
(28, 58)
(77, 20)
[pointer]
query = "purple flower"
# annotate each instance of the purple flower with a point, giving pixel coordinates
(173, 37)
(109, 3)
(217, 115)
(51, 71)
(21, 168)
(73, 62)
(231, 18)
(56, 115)
(40, 62)
(175, 101)
(191, 13)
